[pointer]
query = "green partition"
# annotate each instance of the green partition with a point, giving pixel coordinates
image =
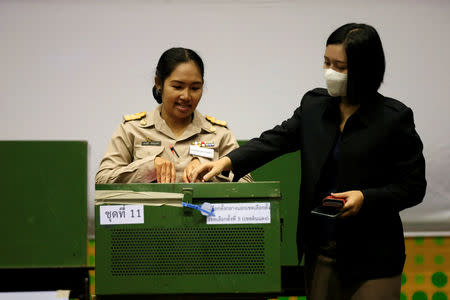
(176, 252)
(44, 196)
(285, 169)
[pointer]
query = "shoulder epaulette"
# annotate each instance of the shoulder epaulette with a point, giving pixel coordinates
(134, 116)
(215, 121)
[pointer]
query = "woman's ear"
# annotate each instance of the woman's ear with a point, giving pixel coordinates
(157, 83)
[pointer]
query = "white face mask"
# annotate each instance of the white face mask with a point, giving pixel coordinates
(336, 83)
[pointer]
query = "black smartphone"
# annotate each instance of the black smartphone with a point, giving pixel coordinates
(328, 211)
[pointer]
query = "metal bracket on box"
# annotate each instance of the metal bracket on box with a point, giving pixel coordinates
(187, 198)
(188, 193)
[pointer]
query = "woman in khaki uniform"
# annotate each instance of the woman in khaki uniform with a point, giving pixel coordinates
(165, 144)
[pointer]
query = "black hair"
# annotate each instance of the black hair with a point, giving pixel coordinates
(168, 61)
(365, 60)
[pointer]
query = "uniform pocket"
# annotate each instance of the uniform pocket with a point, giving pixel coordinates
(142, 152)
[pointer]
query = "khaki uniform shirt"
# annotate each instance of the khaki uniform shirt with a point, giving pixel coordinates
(131, 152)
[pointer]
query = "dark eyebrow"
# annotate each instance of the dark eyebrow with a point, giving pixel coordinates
(177, 81)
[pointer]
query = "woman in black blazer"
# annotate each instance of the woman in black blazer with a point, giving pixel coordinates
(357, 145)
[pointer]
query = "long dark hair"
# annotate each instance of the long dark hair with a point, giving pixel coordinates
(365, 60)
(168, 61)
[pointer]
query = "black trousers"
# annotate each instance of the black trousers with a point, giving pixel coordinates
(323, 283)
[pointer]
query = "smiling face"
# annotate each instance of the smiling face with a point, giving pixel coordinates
(181, 93)
(335, 58)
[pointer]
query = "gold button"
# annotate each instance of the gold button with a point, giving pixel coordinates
(212, 129)
(143, 122)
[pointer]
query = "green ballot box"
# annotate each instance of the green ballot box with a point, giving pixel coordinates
(187, 238)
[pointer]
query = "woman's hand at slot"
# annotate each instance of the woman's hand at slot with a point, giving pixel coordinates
(189, 170)
(206, 171)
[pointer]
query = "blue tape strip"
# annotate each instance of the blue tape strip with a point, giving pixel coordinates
(199, 208)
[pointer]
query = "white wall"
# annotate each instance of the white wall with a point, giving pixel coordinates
(69, 70)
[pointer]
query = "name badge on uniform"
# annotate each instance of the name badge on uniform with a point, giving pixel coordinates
(201, 151)
(151, 143)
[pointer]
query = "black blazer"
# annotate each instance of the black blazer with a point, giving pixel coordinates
(380, 154)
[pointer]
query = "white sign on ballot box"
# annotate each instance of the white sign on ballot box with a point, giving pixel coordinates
(240, 213)
(122, 214)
